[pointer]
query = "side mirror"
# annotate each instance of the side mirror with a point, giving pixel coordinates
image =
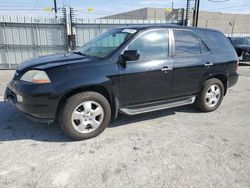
(131, 55)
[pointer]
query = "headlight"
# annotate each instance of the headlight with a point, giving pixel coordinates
(36, 76)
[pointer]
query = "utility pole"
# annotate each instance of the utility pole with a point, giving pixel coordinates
(197, 13)
(55, 7)
(194, 13)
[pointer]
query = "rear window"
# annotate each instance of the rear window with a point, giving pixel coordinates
(218, 42)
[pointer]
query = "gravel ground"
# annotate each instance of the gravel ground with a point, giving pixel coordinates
(179, 147)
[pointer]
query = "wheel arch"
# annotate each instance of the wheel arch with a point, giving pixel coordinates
(223, 77)
(95, 88)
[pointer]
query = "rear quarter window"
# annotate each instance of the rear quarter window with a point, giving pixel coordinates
(217, 42)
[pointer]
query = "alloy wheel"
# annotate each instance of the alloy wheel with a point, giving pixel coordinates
(87, 117)
(213, 95)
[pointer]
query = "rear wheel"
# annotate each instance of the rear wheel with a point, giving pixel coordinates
(85, 115)
(210, 98)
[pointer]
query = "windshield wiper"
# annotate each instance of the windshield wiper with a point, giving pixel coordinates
(80, 53)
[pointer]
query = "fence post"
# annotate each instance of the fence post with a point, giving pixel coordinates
(65, 22)
(7, 48)
(72, 36)
(37, 40)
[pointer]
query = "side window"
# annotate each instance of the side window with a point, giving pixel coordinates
(218, 42)
(151, 45)
(186, 43)
(204, 48)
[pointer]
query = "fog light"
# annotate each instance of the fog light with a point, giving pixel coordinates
(19, 98)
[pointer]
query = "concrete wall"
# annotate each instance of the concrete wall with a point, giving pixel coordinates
(225, 22)
(146, 14)
(140, 14)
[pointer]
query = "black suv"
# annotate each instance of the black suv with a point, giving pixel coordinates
(130, 70)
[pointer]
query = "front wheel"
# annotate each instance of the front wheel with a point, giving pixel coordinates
(85, 115)
(210, 98)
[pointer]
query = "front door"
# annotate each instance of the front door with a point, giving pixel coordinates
(148, 79)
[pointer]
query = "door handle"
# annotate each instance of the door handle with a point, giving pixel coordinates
(207, 64)
(166, 68)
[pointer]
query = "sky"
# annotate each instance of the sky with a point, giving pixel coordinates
(107, 7)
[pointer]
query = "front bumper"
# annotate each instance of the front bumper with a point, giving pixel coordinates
(39, 101)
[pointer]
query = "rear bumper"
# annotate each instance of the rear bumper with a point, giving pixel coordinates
(39, 102)
(232, 79)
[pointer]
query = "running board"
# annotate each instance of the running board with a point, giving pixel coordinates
(149, 107)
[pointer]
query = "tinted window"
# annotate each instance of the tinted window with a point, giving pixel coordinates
(218, 42)
(151, 45)
(204, 48)
(186, 43)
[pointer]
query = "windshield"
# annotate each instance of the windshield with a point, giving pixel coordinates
(245, 40)
(106, 43)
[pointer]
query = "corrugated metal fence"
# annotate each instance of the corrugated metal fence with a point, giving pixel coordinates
(24, 37)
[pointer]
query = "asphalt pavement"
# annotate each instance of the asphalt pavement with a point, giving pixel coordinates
(179, 147)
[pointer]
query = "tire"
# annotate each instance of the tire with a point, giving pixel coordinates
(79, 117)
(208, 100)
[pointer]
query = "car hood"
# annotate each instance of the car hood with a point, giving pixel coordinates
(53, 60)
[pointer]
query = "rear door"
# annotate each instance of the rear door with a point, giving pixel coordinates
(149, 78)
(192, 61)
